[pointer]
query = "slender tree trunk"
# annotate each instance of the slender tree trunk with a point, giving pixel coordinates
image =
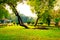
(37, 18)
(20, 22)
(36, 21)
(56, 24)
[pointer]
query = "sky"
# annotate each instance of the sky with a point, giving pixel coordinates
(25, 9)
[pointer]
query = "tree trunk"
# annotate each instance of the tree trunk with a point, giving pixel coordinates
(20, 22)
(36, 21)
(56, 24)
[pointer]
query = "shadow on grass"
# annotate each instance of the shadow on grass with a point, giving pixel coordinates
(3, 26)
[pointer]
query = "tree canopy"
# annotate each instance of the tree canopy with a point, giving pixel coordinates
(3, 13)
(40, 6)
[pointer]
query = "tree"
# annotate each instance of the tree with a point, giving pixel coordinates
(56, 16)
(4, 13)
(39, 6)
(12, 4)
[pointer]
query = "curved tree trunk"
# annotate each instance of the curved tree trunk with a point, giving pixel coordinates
(37, 18)
(20, 22)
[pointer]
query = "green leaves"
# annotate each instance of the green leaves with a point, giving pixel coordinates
(10, 1)
(3, 13)
(51, 3)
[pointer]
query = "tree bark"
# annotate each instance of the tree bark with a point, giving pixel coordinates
(36, 21)
(38, 12)
(20, 22)
(56, 24)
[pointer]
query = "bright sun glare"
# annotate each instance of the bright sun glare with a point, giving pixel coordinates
(56, 7)
(8, 8)
(25, 9)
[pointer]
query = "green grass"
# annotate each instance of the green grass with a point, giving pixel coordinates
(20, 33)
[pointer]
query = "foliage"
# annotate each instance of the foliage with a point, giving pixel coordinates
(10, 1)
(57, 20)
(40, 7)
(14, 2)
(3, 12)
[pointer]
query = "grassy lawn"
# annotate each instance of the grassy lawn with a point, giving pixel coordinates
(20, 33)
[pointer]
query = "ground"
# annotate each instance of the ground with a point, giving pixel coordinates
(19, 33)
